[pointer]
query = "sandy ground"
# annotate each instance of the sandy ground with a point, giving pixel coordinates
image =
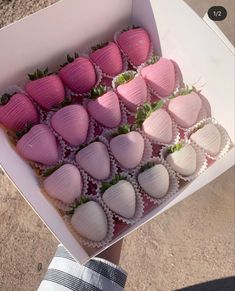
(192, 242)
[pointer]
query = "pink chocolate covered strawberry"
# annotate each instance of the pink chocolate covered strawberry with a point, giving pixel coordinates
(78, 74)
(17, 111)
(185, 107)
(135, 43)
(159, 75)
(108, 57)
(39, 145)
(63, 183)
(46, 89)
(132, 89)
(104, 106)
(127, 147)
(94, 159)
(71, 122)
(155, 122)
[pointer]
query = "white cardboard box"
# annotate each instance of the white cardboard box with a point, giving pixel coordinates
(43, 38)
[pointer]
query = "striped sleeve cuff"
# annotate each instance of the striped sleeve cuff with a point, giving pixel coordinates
(65, 274)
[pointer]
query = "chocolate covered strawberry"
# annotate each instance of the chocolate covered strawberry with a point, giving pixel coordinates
(154, 179)
(127, 147)
(159, 75)
(183, 159)
(63, 183)
(135, 43)
(209, 138)
(185, 107)
(94, 159)
(89, 219)
(17, 111)
(104, 106)
(39, 145)
(71, 122)
(119, 196)
(46, 89)
(155, 122)
(108, 57)
(78, 74)
(132, 89)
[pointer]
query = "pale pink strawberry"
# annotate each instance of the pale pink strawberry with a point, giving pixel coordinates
(105, 107)
(94, 159)
(46, 90)
(156, 122)
(135, 43)
(39, 145)
(71, 122)
(160, 76)
(185, 109)
(127, 147)
(78, 74)
(17, 111)
(65, 183)
(108, 57)
(132, 89)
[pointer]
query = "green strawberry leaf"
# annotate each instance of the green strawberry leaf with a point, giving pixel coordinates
(5, 98)
(125, 78)
(38, 74)
(147, 166)
(70, 59)
(27, 128)
(152, 60)
(106, 185)
(124, 129)
(130, 27)
(176, 147)
(51, 170)
(76, 204)
(99, 46)
(97, 92)
(183, 91)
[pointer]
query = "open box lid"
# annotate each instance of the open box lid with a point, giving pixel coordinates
(44, 38)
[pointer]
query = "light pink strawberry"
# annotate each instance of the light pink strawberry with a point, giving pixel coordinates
(127, 147)
(160, 76)
(133, 92)
(17, 112)
(135, 43)
(39, 145)
(94, 159)
(71, 122)
(46, 90)
(64, 184)
(78, 74)
(105, 108)
(108, 58)
(185, 109)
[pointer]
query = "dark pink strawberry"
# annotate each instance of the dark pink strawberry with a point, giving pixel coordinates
(160, 75)
(47, 90)
(78, 74)
(39, 145)
(108, 57)
(17, 111)
(135, 43)
(105, 107)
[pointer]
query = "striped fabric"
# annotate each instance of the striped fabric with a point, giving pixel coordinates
(65, 274)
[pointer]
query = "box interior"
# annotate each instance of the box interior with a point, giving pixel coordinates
(44, 38)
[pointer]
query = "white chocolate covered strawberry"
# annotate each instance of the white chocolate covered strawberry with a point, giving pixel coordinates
(209, 138)
(183, 159)
(154, 179)
(127, 147)
(119, 196)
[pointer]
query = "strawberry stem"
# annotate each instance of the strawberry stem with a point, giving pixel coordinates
(99, 46)
(147, 166)
(5, 98)
(27, 128)
(176, 147)
(145, 111)
(125, 78)
(76, 204)
(39, 74)
(106, 185)
(51, 170)
(130, 27)
(70, 59)
(97, 92)
(183, 91)
(124, 129)
(152, 60)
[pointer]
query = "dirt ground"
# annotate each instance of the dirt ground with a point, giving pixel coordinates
(192, 242)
